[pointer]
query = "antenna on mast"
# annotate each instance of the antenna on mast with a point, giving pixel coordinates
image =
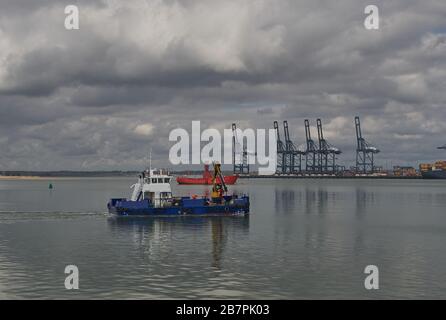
(150, 159)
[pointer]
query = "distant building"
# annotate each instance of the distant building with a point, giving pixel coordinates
(399, 171)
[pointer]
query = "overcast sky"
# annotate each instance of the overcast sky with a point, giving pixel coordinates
(101, 96)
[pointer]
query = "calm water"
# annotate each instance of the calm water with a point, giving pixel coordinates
(304, 239)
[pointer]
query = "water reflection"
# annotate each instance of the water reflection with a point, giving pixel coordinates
(304, 239)
(364, 200)
(312, 200)
(155, 236)
(285, 200)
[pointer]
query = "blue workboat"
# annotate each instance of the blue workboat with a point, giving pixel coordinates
(152, 196)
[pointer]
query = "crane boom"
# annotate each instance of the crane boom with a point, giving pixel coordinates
(218, 187)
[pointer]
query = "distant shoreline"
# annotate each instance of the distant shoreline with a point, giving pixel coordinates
(23, 178)
(5, 178)
(40, 178)
(39, 175)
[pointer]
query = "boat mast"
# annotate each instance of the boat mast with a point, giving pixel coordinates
(150, 159)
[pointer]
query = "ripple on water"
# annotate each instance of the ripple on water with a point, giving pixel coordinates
(304, 239)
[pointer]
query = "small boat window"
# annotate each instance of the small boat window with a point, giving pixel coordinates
(165, 195)
(160, 180)
(153, 180)
(166, 180)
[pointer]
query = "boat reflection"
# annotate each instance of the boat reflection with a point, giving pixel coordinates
(309, 200)
(154, 236)
(285, 200)
(365, 200)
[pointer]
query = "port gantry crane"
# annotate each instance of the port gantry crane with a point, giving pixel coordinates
(364, 152)
(327, 153)
(281, 151)
(293, 156)
(311, 152)
(239, 154)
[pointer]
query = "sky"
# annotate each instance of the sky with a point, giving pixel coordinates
(100, 97)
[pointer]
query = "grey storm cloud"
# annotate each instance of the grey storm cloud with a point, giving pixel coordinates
(101, 96)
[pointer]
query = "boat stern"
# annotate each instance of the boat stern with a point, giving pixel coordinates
(113, 204)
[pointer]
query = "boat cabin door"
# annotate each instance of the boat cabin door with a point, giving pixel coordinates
(150, 196)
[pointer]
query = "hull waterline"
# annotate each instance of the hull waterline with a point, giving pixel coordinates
(181, 207)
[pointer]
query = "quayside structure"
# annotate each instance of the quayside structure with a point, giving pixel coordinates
(239, 154)
(327, 152)
(311, 151)
(280, 169)
(293, 156)
(289, 157)
(365, 152)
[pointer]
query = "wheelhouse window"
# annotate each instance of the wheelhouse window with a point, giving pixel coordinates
(165, 195)
(153, 180)
(166, 180)
(160, 180)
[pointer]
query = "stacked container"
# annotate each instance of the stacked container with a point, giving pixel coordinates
(425, 167)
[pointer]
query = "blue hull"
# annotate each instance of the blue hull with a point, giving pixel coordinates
(436, 174)
(181, 207)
